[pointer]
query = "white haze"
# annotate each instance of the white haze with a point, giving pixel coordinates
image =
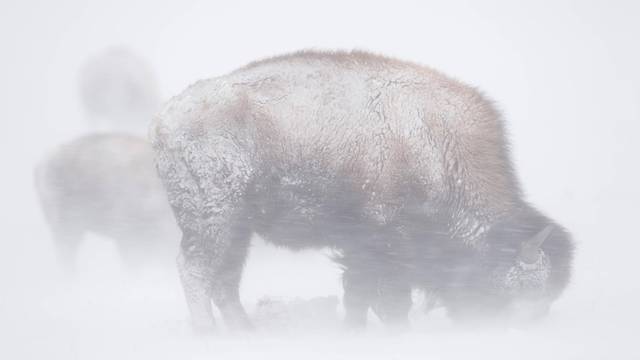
(564, 73)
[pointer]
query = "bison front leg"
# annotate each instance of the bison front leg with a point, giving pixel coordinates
(381, 288)
(359, 290)
(375, 276)
(393, 300)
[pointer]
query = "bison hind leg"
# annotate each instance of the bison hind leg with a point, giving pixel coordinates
(67, 240)
(206, 181)
(210, 270)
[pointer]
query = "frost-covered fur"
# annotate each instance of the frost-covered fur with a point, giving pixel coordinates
(107, 184)
(404, 171)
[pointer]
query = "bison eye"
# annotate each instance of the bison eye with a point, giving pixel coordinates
(523, 277)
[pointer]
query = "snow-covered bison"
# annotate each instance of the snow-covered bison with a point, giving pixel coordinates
(402, 170)
(106, 184)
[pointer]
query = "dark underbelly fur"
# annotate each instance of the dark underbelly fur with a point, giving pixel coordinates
(298, 219)
(301, 216)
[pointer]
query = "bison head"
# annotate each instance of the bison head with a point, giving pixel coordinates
(525, 266)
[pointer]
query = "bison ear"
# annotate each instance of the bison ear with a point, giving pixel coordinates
(529, 251)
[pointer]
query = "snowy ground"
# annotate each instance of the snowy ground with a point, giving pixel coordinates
(107, 313)
(566, 77)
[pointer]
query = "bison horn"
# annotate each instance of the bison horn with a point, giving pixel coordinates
(529, 252)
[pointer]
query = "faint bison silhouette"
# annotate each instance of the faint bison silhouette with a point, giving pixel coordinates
(107, 184)
(402, 170)
(118, 91)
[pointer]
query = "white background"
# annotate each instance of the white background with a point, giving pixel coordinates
(564, 73)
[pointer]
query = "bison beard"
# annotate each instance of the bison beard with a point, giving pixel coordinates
(402, 170)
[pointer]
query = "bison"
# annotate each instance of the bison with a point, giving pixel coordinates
(106, 184)
(402, 170)
(117, 90)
